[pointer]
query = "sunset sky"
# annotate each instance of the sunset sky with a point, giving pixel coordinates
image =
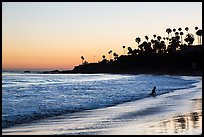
(47, 36)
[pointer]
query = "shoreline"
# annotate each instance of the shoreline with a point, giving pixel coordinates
(167, 116)
(165, 72)
(133, 71)
(187, 123)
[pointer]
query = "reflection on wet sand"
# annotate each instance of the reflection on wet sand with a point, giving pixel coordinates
(187, 122)
(182, 123)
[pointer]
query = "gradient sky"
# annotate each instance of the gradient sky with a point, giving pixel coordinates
(46, 36)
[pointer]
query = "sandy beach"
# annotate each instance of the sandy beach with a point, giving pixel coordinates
(189, 123)
(179, 112)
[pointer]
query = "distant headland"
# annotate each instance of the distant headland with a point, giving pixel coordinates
(174, 54)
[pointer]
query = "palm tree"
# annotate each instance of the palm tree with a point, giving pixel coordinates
(168, 30)
(138, 40)
(82, 58)
(174, 30)
(104, 60)
(141, 47)
(159, 38)
(179, 29)
(147, 47)
(130, 51)
(154, 36)
(189, 38)
(174, 44)
(157, 46)
(181, 33)
(110, 54)
(163, 46)
(146, 37)
(164, 38)
(199, 33)
(176, 33)
(86, 62)
(186, 29)
(196, 28)
(167, 40)
(124, 49)
(115, 55)
(103, 56)
(153, 45)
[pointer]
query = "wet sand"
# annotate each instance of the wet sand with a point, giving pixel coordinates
(189, 123)
(89, 123)
(177, 113)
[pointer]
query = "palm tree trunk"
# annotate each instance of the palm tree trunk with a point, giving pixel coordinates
(200, 39)
(110, 56)
(168, 39)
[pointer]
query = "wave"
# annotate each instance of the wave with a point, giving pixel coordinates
(53, 99)
(12, 120)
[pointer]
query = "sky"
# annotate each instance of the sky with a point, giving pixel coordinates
(54, 35)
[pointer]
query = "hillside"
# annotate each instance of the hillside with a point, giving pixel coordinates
(187, 60)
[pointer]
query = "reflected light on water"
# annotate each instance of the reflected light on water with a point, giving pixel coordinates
(182, 123)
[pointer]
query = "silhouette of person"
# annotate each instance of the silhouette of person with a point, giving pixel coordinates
(153, 91)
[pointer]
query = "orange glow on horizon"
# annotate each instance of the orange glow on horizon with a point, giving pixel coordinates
(56, 35)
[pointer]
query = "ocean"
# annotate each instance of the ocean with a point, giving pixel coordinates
(28, 97)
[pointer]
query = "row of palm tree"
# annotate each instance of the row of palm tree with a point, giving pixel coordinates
(103, 57)
(198, 33)
(173, 42)
(157, 44)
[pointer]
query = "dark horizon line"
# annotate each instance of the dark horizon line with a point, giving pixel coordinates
(33, 70)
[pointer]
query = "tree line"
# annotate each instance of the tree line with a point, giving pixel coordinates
(173, 43)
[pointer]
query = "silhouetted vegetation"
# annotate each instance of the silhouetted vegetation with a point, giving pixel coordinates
(153, 55)
(177, 54)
